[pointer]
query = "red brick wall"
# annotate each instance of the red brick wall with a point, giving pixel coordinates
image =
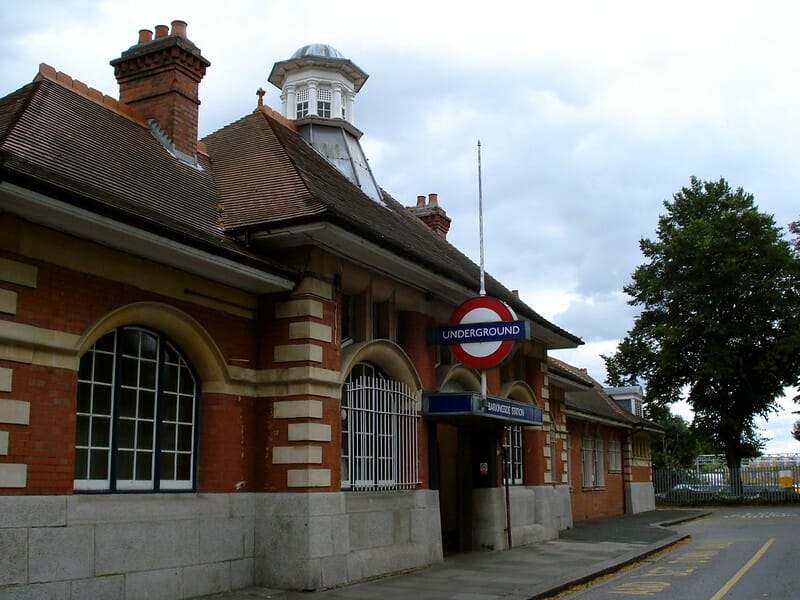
(47, 444)
(71, 301)
(228, 458)
(597, 502)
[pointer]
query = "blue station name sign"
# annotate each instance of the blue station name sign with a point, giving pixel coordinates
(482, 332)
(470, 404)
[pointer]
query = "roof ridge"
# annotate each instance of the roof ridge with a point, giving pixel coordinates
(271, 112)
(90, 93)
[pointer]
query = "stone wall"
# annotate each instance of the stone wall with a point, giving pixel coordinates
(177, 546)
(639, 497)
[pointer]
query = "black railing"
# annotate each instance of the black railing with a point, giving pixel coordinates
(713, 484)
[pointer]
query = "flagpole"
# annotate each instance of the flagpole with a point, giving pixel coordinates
(480, 219)
(483, 277)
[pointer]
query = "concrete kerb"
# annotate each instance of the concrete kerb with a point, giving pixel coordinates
(614, 565)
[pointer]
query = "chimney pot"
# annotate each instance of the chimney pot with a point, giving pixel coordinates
(145, 35)
(420, 200)
(433, 199)
(161, 81)
(179, 28)
(516, 293)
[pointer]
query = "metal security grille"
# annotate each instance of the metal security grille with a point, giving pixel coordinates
(380, 445)
(512, 444)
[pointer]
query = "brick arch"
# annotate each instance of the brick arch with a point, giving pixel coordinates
(387, 355)
(519, 391)
(189, 335)
(458, 376)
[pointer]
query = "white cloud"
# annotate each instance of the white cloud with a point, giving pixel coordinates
(590, 114)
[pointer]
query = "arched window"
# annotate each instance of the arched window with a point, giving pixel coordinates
(379, 432)
(136, 425)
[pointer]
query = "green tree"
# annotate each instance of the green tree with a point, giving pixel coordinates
(720, 315)
(679, 446)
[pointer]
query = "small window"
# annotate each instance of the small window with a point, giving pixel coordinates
(301, 107)
(599, 467)
(512, 446)
(324, 96)
(587, 464)
(136, 415)
(614, 455)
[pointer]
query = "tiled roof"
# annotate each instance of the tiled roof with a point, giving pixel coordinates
(594, 401)
(66, 144)
(59, 137)
(269, 176)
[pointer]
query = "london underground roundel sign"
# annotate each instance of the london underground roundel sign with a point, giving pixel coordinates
(482, 332)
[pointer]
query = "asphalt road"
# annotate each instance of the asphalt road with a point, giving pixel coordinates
(741, 553)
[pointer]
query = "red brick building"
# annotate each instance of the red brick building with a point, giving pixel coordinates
(215, 367)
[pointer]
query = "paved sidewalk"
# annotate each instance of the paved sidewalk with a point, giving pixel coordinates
(540, 570)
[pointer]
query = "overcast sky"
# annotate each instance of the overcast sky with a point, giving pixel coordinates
(590, 114)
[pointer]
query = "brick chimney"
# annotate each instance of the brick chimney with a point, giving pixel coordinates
(160, 77)
(431, 214)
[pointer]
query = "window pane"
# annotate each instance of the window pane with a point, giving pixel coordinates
(183, 467)
(167, 466)
(170, 407)
(170, 378)
(106, 343)
(99, 464)
(81, 463)
(82, 431)
(168, 435)
(85, 366)
(144, 436)
(127, 402)
(101, 403)
(187, 381)
(147, 405)
(103, 367)
(101, 436)
(144, 466)
(186, 414)
(185, 437)
(147, 375)
(126, 435)
(84, 398)
(130, 371)
(149, 345)
(129, 342)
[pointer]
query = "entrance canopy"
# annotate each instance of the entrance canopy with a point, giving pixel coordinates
(455, 406)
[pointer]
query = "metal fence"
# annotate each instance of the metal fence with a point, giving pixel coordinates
(713, 484)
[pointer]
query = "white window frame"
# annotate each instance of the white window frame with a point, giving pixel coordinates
(123, 395)
(301, 103)
(324, 102)
(614, 454)
(587, 461)
(599, 466)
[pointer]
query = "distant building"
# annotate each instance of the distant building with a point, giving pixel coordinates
(215, 357)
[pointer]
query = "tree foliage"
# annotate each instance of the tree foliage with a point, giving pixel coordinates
(720, 314)
(680, 445)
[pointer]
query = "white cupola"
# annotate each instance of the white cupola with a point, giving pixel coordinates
(317, 81)
(318, 89)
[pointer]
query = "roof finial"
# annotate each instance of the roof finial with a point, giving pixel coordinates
(260, 93)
